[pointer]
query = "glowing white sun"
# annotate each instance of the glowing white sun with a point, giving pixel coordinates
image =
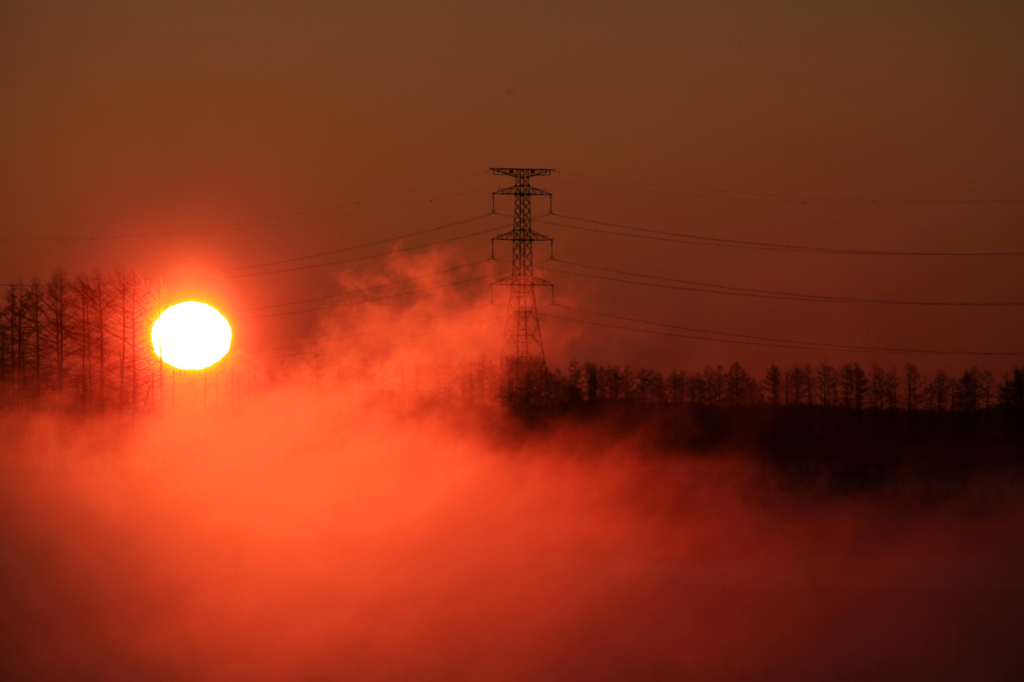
(191, 335)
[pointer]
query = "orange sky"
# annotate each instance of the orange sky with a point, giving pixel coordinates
(124, 121)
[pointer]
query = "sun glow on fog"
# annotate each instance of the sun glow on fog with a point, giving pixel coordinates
(191, 335)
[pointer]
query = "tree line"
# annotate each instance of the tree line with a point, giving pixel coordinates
(850, 385)
(84, 338)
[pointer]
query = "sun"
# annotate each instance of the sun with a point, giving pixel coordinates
(191, 335)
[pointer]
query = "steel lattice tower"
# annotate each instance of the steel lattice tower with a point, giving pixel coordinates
(522, 351)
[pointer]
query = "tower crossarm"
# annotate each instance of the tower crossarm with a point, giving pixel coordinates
(518, 190)
(512, 278)
(523, 172)
(531, 236)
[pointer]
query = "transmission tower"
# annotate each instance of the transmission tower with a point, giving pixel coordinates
(522, 350)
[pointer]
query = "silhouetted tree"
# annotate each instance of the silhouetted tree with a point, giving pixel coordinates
(828, 384)
(13, 335)
(892, 389)
(773, 385)
(714, 385)
(677, 386)
(810, 394)
(1011, 390)
(34, 321)
(629, 391)
(877, 386)
(986, 389)
(57, 303)
(937, 392)
(912, 381)
(964, 394)
(591, 378)
(650, 386)
(82, 335)
(697, 389)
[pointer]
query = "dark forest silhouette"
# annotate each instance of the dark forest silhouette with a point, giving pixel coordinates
(82, 339)
(84, 342)
(88, 337)
(850, 386)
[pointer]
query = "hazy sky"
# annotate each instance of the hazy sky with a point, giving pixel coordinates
(124, 121)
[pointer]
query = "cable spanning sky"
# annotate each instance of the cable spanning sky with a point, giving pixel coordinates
(844, 163)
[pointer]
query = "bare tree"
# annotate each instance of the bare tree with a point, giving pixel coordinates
(938, 392)
(828, 384)
(847, 385)
(912, 381)
(892, 389)
(697, 389)
(793, 381)
(877, 386)
(82, 336)
(591, 377)
(650, 385)
(860, 386)
(677, 386)
(773, 385)
(57, 302)
(736, 385)
(628, 384)
(714, 384)
(1011, 390)
(103, 303)
(986, 388)
(964, 394)
(12, 337)
(809, 383)
(574, 380)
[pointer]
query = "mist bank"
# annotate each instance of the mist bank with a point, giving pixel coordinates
(321, 532)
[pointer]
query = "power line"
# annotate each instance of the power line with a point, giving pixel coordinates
(763, 293)
(767, 197)
(369, 300)
(791, 343)
(458, 311)
(761, 343)
(385, 341)
(379, 286)
(353, 260)
(358, 246)
(703, 240)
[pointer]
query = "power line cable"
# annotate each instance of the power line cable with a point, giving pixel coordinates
(358, 246)
(684, 238)
(369, 300)
(764, 293)
(360, 258)
(761, 343)
(791, 343)
(385, 341)
(458, 311)
(788, 294)
(379, 286)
